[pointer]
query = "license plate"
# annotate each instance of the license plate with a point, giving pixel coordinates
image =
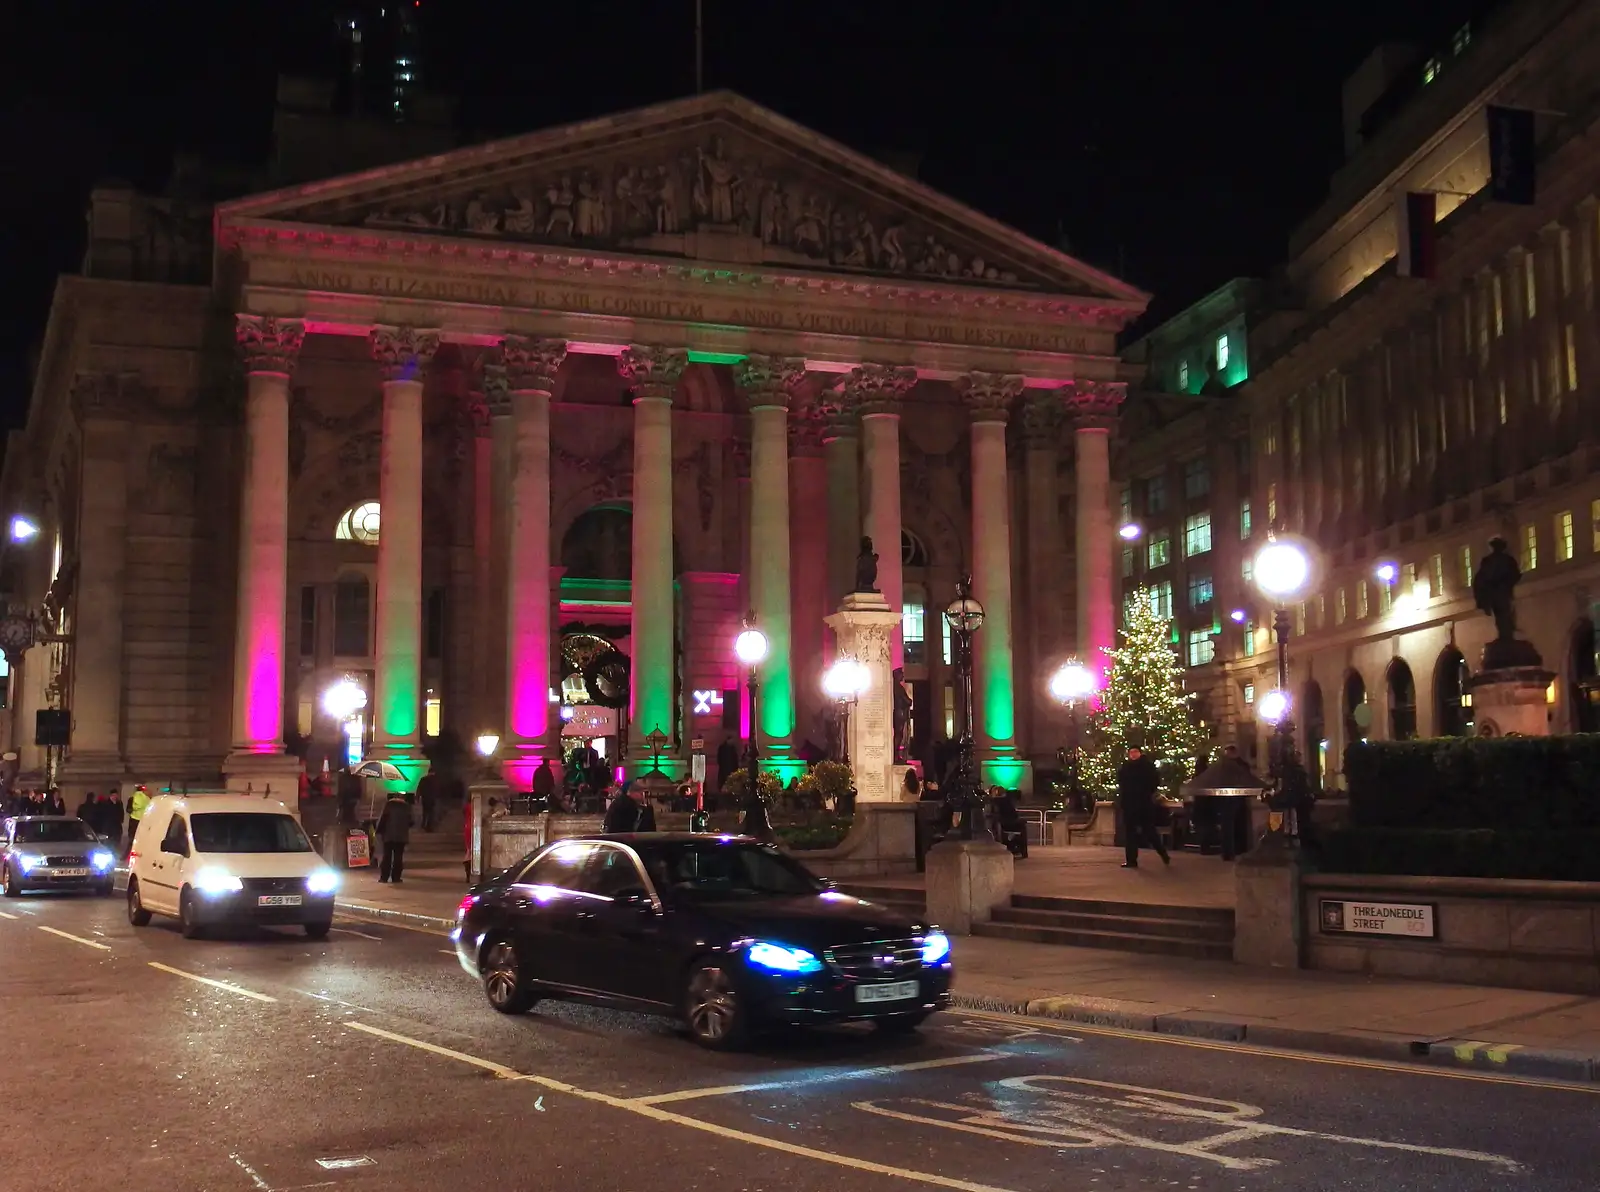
(67, 872)
(278, 900)
(897, 992)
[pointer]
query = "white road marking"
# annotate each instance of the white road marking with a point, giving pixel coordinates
(322, 997)
(77, 939)
(3, 915)
(1063, 1112)
(447, 951)
(655, 1113)
(255, 1178)
(726, 1090)
(362, 934)
(225, 986)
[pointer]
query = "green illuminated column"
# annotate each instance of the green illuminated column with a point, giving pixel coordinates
(769, 383)
(653, 374)
(988, 397)
(402, 354)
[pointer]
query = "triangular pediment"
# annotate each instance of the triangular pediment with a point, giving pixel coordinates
(715, 179)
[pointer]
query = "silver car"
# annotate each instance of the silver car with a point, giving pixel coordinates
(54, 852)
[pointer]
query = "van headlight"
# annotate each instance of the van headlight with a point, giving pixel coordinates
(213, 882)
(322, 881)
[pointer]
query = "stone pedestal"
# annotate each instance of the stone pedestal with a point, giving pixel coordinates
(1508, 694)
(477, 812)
(966, 880)
(1267, 920)
(863, 628)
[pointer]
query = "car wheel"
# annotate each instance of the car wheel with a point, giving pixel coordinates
(713, 1008)
(189, 917)
(898, 1024)
(105, 890)
(504, 983)
(319, 930)
(137, 915)
(13, 887)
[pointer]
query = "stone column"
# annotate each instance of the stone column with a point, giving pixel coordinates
(96, 758)
(653, 374)
(988, 397)
(531, 366)
(486, 713)
(1046, 591)
(877, 390)
(1093, 407)
(841, 451)
(257, 759)
(808, 548)
(402, 354)
(769, 383)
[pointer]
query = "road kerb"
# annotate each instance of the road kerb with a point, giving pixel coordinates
(1516, 1060)
(379, 914)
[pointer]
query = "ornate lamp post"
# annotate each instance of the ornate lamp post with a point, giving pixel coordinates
(844, 682)
(1282, 571)
(964, 615)
(750, 647)
(656, 739)
(1072, 684)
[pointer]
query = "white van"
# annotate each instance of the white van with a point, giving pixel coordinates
(227, 859)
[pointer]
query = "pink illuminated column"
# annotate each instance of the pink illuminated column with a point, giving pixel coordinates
(877, 390)
(1093, 406)
(269, 347)
(653, 374)
(402, 354)
(531, 367)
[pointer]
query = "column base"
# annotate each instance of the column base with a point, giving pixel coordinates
(277, 774)
(405, 756)
(1005, 769)
(520, 759)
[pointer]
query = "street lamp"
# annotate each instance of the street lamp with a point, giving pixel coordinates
(1129, 532)
(1071, 685)
(1273, 707)
(750, 647)
(845, 682)
(487, 743)
(23, 529)
(344, 699)
(1282, 571)
(964, 615)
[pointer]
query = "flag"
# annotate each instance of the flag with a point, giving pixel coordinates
(1415, 241)
(1511, 155)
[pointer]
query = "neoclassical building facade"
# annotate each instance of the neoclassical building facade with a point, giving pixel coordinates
(510, 440)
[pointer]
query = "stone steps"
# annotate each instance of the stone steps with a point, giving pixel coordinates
(908, 900)
(1204, 933)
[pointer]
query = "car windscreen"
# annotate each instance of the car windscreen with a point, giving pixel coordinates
(247, 832)
(713, 869)
(52, 832)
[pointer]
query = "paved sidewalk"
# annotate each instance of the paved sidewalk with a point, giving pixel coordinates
(1505, 1030)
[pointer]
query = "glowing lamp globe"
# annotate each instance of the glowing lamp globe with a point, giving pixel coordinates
(1273, 706)
(1237, 616)
(487, 743)
(1072, 682)
(1387, 572)
(750, 646)
(1282, 570)
(846, 679)
(964, 612)
(1129, 532)
(344, 699)
(24, 529)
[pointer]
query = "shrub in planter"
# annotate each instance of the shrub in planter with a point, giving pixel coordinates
(768, 785)
(820, 832)
(831, 780)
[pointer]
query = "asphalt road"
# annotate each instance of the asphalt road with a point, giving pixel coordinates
(136, 1059)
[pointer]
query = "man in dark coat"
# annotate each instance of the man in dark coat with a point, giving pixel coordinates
(429, 788)
(630, 812)
(1137, 783)
(394, 829)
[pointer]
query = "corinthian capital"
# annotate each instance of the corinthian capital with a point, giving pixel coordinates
(1093, 403)
(531, 364)
(878, 388)
(989, 395)
(403, 352)
(770, 380)
(268, 344)
(652, 373)
(1041, 419)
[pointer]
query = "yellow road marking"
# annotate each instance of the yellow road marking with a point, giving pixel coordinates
(726, 1090)
(662, 1115)
(1466, 1049)
(1497, 1055)
(225, 986)
(1283, 1053)
(77, 939)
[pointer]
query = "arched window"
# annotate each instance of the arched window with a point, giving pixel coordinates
(359, 524)
(914, 624)
(1315, 727)
(1402, 702)
(1452, 701)
(1585, 701)
(913, 553)
(1357, 713)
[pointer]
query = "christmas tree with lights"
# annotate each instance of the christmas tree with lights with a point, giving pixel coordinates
(1143, 704)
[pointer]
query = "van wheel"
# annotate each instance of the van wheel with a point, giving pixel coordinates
(189, 917)
(137, 915)
(13, 887)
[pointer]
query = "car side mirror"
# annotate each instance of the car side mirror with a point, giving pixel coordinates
(637, 897)
(827, 883)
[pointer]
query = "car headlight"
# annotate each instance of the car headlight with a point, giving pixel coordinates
(102, 859)
(217, 881)
(935, 947)
(780, 958)
(28, 862)
(322, 881)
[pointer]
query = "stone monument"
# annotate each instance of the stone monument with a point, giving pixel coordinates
(1508, 693)
(863, 629)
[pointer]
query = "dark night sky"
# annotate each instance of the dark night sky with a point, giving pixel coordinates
(1174, 141)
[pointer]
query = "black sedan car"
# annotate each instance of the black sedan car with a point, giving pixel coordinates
(726, 933)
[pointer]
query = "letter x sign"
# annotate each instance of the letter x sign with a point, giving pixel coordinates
(706, 703)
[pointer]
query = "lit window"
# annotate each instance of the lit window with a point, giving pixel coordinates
(1502, 401)
(1430, 70)
(1249, 694)
(1499, 306)
(1202, 647)
(1155, 494)
(1408, 578)
(946, 651)
(1161, 599)
(1196, 534)
(1127, 561)
(1530, 548)
(1466, 566)
(1436, 565)
(1244, 519)
(1269, 441)
(1322, 611)
(1571, 343)
(1361, 600)
(1564, 542)
(1272, 506)
(1340, 607)
(1249, 640)
(1127, 504)
(1222, 352)
(1461, 40)
(359, 524)
(1200, 590)
(1160, 549)
(431, 715)
(1196, 478)
(1183, 376)
(1385, 598)
(1530, 281)
(913, 631)
(949, 712)
(1247, 570)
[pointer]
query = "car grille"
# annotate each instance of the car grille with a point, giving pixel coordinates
(67, 862)
(877, 961)
(274, 885)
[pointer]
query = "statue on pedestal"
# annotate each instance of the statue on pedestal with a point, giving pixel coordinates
(866, 568)
(1492, 587)
(902, 716)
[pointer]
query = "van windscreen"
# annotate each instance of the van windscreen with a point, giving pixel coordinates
(247, 832)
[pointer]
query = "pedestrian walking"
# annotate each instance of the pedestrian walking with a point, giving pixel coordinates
(1137, 783)
(137, 806)
(111, 818)
(629, 812)
(394, 830)
(429, 787)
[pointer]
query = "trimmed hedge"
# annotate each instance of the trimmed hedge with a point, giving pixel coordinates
(1505, 784)
(1471, 852)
